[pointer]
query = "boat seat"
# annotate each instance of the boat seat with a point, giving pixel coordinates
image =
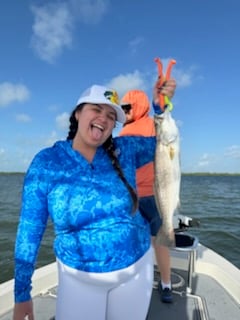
(187, 243)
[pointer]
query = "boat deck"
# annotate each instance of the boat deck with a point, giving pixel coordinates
(208, 301)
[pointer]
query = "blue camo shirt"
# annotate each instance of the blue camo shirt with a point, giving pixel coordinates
(89, 206)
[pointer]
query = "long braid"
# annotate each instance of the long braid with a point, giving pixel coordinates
(109, 147)
(73, 123)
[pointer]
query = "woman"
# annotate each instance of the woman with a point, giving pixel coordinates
(86, 185)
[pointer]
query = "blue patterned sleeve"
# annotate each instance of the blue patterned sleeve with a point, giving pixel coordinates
(32, 224)
(145, 150)
(139, 147)
(157, 109)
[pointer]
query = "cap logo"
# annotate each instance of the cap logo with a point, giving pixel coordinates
(112, 96)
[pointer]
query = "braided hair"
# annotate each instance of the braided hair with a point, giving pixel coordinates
(73, 123)
(110, 149)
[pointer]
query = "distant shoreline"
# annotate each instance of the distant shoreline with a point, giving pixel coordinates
(183, 173)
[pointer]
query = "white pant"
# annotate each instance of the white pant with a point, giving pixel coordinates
(122, 294)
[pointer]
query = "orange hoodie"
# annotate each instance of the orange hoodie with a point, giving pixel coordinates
(142, 125)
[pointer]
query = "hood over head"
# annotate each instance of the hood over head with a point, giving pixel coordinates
(139, 102)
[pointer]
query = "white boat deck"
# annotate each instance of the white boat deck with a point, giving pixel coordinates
(215, 291)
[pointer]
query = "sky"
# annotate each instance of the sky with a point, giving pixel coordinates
(51, 51)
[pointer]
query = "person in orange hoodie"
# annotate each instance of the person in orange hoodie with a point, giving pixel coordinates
(136, 106)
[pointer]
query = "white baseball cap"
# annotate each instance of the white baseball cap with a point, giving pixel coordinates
(101, 95)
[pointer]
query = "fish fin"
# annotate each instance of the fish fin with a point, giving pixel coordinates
(166, 239)
(171, 152)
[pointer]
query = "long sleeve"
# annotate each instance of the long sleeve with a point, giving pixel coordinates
(32, 224)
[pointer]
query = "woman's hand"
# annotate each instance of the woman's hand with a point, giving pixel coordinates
(23, 311)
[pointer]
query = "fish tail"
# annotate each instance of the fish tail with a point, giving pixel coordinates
(166, 239)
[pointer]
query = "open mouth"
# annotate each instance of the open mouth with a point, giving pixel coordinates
(97, 131)
(95, 125)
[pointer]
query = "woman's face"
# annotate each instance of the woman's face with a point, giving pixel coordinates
(95, 124)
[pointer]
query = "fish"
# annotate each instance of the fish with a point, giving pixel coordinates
(167, 175)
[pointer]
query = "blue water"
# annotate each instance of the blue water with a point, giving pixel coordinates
(214, 200)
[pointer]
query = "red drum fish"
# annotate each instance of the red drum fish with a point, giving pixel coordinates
(167, 175)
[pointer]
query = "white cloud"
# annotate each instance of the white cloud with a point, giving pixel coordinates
(228, 162)
(204, 160)
(10, 93)
(54, 23)
(135, 44)
(89, 11)
(183, 78)
(53, 108)
(52, 138)
(129, 81)
(233, 151)
(62, 120)
(2, 151)
(22, 117)
(52, 30)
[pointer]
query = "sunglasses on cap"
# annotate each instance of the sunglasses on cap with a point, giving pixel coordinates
(126, 108)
